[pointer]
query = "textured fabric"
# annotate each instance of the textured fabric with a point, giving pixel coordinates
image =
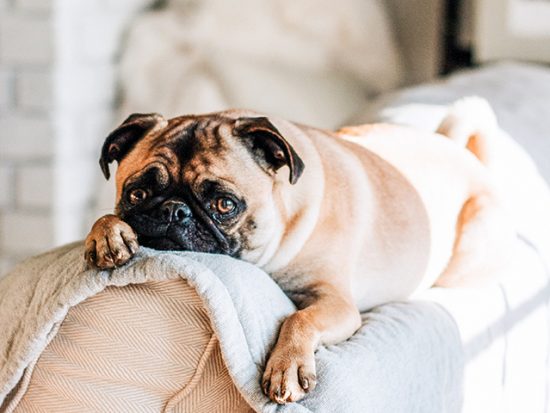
(140, 348)
(408, 349)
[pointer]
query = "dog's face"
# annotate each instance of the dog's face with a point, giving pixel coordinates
(201, 183)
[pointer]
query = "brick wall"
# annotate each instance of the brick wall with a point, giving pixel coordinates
(57, 100)
(26, 137)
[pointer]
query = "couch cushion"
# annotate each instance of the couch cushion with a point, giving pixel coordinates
(410, 349)
(140, 348)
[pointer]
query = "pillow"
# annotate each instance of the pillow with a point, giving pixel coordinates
(312, 61)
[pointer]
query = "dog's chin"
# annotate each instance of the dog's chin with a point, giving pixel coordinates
(167, 243)
(161, 243)
(177, 239)
(191, 235)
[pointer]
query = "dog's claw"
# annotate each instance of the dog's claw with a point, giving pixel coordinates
(110, 243)
(289, 375)
(307, 379)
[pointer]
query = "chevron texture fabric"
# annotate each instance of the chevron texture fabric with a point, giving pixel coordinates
(145, 348)
(187, 332)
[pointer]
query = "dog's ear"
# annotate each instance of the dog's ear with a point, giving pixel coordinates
(275, 150)
(122, 139)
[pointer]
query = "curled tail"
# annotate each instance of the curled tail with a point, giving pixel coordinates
(471, 123)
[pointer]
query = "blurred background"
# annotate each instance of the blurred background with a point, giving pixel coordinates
(71, 70)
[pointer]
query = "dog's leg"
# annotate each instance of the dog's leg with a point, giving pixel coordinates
(329, 316)
(110, 243)
(483, 243)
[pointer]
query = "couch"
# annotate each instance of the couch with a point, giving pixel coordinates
(156, 344)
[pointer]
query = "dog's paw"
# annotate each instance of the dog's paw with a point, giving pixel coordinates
(289, 374)
(110, 243)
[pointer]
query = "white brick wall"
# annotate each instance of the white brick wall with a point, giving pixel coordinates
(26, 137)
(25, 39)
(86, 98)
(57, 94)
(25, 233)
(34, 5)
(6, 86)
(6, 186)
(33, 90)
(34, 187)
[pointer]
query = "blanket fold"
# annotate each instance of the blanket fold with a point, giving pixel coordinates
(408, 349)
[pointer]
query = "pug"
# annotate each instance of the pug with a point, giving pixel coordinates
(343, 221)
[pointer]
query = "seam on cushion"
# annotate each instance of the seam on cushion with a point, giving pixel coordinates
(188, 388)
(27, 375)
(196, 268)
(193, 270)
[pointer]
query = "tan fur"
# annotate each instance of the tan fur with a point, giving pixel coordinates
(110, 243)
(380, 212)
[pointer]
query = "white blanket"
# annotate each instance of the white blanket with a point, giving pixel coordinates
(407, 357)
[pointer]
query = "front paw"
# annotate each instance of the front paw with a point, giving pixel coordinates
(110, 243)
(289, 374)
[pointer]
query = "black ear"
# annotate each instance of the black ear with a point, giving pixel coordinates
(122, 139)
(276, 150)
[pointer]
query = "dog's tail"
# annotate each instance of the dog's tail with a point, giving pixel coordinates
(471, 123)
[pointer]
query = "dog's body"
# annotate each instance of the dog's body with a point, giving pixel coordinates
(378, 213)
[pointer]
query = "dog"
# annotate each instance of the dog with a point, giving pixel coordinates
(343, 221)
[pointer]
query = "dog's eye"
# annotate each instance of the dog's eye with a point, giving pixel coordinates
(224, 205)
(137, 196)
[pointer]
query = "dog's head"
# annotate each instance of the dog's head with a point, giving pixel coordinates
(201, 183)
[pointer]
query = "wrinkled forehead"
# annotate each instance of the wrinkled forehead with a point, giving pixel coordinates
(193, 148)
(178, 142)
(186, 135)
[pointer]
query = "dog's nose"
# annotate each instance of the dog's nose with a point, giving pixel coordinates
(176, 211)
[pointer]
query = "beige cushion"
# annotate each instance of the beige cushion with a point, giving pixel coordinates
(139, 348)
